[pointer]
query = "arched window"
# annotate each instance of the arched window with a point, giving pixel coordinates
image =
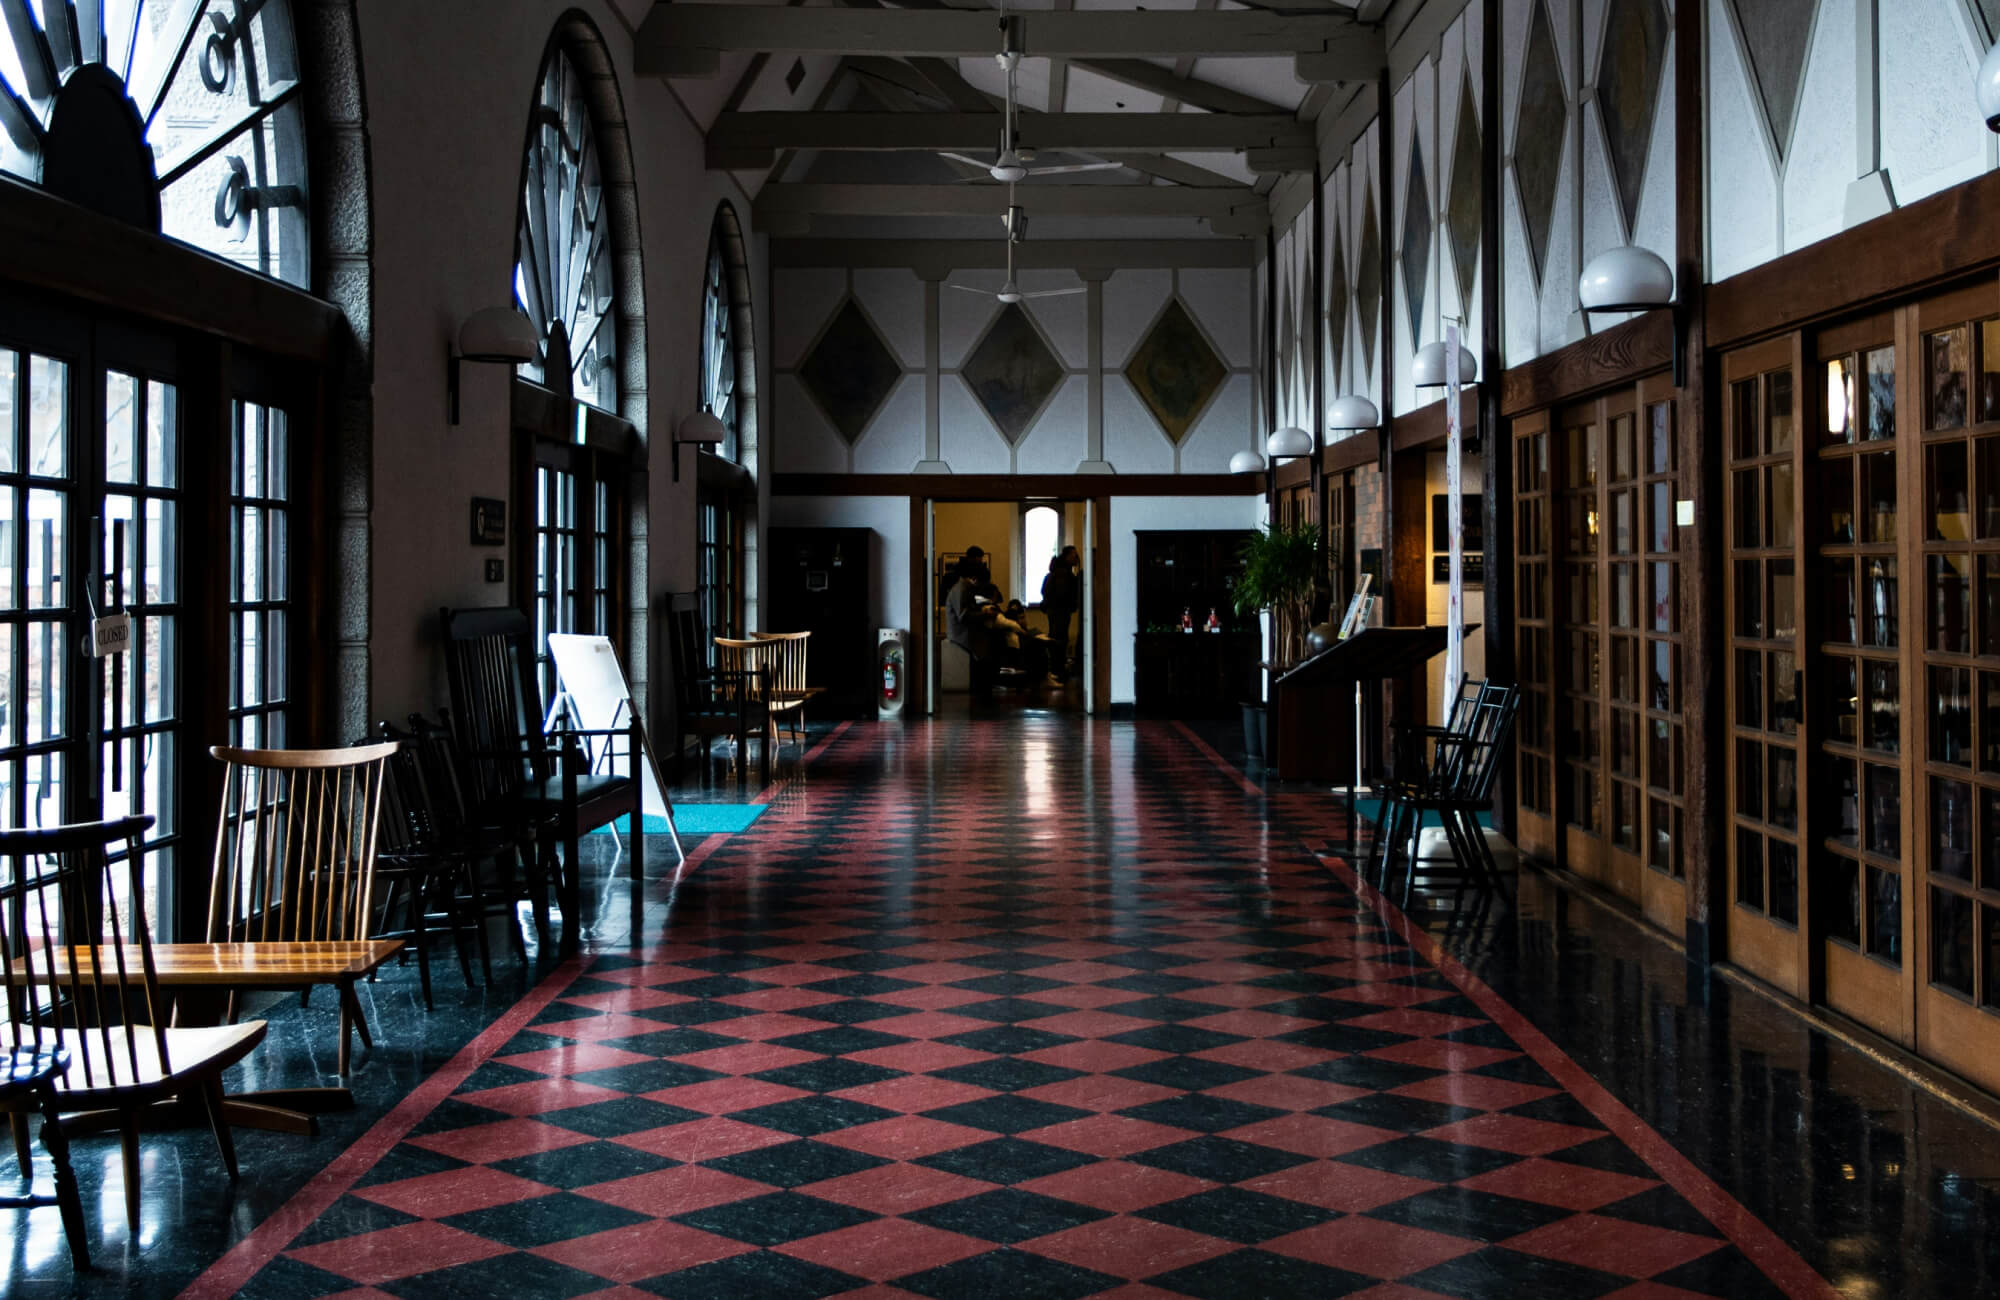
(563, 273)
(718, 348)
(180, 118)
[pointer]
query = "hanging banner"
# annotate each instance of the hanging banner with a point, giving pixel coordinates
(1454, 486)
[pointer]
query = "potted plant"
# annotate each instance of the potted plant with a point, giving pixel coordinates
(1279, 566)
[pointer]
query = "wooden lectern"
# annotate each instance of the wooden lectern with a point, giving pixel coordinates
(1312, 705)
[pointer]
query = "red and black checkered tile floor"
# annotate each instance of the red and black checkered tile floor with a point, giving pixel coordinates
(1018, 1013)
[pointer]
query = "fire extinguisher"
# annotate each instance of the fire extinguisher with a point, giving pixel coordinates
(892, 678)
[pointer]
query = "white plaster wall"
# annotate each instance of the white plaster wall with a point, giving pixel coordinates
(967, 439)
(1132, 299)
(889, 578)
(1220, 303)
(963, 317)
(1133, 441)
(1224, 429)
(1932, 136)
(1822, 160)
(807, 298)
(447, 116)
(894, 440)
(1742, 190)
(806, 442)
(1131, 514)
(1063, 321)
(1056, 442)
(893, 299)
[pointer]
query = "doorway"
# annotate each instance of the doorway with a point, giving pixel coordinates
(1019, 539)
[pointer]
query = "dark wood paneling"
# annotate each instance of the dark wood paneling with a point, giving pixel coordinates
(1498, 463)
(1424, 427)
(1707, 852)
(1620, 355)
(1353, 452)
(1291, 474)
(1930, 243)
(921, 619)
(1100, 606)
(1014, 487)
(50, 244)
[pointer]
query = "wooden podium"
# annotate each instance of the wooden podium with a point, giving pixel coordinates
(1312, 706)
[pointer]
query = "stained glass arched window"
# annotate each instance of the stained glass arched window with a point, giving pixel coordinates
(718, 348)
(178, 115)
(563, 273)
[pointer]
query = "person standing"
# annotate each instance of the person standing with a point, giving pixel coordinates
(1062, 592)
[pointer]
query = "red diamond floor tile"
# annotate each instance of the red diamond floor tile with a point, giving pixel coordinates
(455, 1191)
(642, 1250)
(1371, 1246)
(1129, 1247)
(1614, 1245)
(885, 1248)
(391, 1253)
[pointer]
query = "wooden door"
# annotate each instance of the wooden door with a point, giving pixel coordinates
(1951, 546)
(1534, 726)
(1858, 843)
(1663, 884)
(1763, 597)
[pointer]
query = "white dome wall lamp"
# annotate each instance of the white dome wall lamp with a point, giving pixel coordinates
(493, 335)
(1630, 278)
(1986, 88)
(1245, 462)
(1288, 443)
(1427, 370)
(702, 429)
(1352, 412)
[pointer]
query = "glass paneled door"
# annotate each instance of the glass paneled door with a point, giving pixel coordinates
(91, 502)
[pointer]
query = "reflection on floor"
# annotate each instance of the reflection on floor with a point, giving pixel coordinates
(1057, 1008)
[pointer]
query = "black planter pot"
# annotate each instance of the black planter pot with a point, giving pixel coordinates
(1253, 733)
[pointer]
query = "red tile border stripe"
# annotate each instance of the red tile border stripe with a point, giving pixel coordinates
(1751, 1235)
(246, 1258)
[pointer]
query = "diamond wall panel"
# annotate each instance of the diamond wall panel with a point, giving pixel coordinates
(850, 371)
(1628, 91)
(1538, 135)
(1175, 372)
(1012, 372)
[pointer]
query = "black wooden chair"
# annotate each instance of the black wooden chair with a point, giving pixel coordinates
(497, 713)
(1418, 757)
(507, 847)
(421, 866)
(28, 1077)
(711, 702)
(1458, 788)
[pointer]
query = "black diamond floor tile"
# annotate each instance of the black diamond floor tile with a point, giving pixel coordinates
(775, 1219)
(500, 1275)
(1201, 1113)
(569, 1168)
(537, 1222)
(1497, 1271)
(1238, 1215)
(828, 1074)
(763, 1274)
(1260, 1273)
(1188, 1073)
(811, 1116)
(1219, 1159)
(1006, 1160)
(1007, 1040)
(1007, 1215)
(1006, 1113)
(1421, 1157)
(1007, 1074)
(794, 1164)
(1007, 1275)
(1462, 1212)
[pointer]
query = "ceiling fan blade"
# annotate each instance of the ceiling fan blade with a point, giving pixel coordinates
(980, 163)
(1076, 167)
(969, 289)
(1054, 293)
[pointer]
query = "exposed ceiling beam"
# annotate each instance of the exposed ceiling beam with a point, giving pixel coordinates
(940, 257)
(688, 39)
(1141, 75)
(992, 200)
(1169, 169)
(740, 140)
(962, 94)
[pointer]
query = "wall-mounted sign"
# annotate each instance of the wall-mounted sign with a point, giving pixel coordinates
(489, 522)
(1475, 569)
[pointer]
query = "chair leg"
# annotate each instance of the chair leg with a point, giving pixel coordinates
(351, 1017)
(68, 1201)
(128, 1142)
(477, 897)
(19, 1122)
(225, 1142)
(572, 889)
(455, 913)
(419, 904)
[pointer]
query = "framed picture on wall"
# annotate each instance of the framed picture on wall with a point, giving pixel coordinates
(1474, 516)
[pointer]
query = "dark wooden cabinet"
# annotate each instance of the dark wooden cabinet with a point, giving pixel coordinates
(1202, 674)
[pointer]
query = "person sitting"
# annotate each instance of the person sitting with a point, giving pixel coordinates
(966, 625)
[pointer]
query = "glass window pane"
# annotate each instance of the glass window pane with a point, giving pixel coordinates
(1989, 604)
(1885, 811)
(1950, 603)
(1749, 599)
(1837, 483)
(1986, 495)
(1989, 919)
(1750, 688)
(162, 435)
(1951, 828)
(1784, 711)
(9, 431)
(1945, 362)
(1749, 868)
(1782, 793)
(1885, 915)
(1839, 401)
(1744, 397)
(1878, 501)
(1778, 411)
(1784, 620)
(48, 417)
(1844, 697)
(1749, 510)
(1660, 440)
(1843, 614)
(1951, 940)
(1784, 882)
(1879, 595)
(1951, 716)
(1845, 825)
(1884, 730)
(1882, 393)
(1778, 493)
(1750, 780)
(121, 428)
(1989, 839)
(1988, 704)
(1949, 494)
(1989, 371)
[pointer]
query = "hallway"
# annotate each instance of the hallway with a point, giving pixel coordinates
(1047, 1008)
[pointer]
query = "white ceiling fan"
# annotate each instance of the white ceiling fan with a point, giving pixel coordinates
(1009, 165)
(1009, 292)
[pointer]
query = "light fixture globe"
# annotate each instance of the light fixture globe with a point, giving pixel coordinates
(499, 334)
(1626, 278)
(1986, 88)
(1245, 462)
(1288, 442)
(1428, 369)
(1353, 411)
(704, 428)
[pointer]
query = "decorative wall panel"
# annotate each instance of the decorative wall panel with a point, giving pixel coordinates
(894, 442)
(1628, 91)
(807, 440)
(1416, 239)
(1776, 34)
(1132, 439)
(850, 371)
(1220, 302)
(1462, 206)
(1132, 301)
(1176, 371)
(967, 440)
(1742, 185)
(1013, 372)
(894, 301)
(1931, 133)
(1539, 135)
(1056, 443)
(809, 296)
(1821, 162)
(1219, 432)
